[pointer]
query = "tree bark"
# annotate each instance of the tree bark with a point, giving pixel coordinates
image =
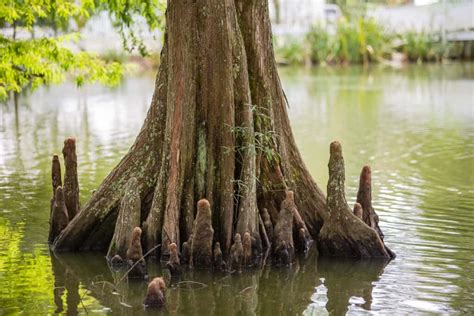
(128, 219)
(217, 129)
(59, 215)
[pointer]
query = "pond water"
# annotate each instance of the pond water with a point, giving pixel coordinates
(414, 126)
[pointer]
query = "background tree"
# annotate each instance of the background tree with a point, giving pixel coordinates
(34, 61)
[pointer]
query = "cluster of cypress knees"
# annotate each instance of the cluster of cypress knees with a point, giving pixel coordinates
(198, 250)
(282, 239)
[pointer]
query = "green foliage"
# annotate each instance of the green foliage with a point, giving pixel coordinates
(292, 52)
(44, 61)
(423, 47)
(113, 55)
(31, 62)
(320, 44)
(125, 12)
(361, 40)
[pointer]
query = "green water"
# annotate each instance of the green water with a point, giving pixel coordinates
(414, 126)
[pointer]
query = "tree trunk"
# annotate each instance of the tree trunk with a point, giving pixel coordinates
(128, 219)
(217, 129)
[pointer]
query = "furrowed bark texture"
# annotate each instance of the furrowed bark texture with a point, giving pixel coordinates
(128, 219)
(217, 129)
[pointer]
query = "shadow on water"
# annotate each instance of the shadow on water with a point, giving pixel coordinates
(267, 291)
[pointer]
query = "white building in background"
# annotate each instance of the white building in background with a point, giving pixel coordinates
(455, 19)
(296, 16)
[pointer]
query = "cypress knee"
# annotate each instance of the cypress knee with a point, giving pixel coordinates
(236, 254)
(155, 294)
(173, 263)
(135, 261)
(59, 217)
(203, 234)
(268, 225)
(344, 234)
(56, 173)
(71, 182)
(364, 198)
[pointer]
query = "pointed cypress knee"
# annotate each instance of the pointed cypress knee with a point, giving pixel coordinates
(135, 260)
(71, 182)
(268, 225)
(344, 234)
(364, 198)
(56, 173)
(56, 182)
(128, 218)
(59, 217)
(203, 234)
(173, 263)
(236, 255)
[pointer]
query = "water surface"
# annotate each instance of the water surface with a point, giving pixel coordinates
(414, 126)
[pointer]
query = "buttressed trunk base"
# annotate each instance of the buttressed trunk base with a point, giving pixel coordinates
(217, 129)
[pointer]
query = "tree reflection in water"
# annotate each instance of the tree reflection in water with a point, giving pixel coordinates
(268, 291)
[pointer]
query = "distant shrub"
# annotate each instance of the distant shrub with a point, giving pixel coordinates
(359, 41)
(320, 44)
(420, 47)
(364, 40)
(291, 51)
